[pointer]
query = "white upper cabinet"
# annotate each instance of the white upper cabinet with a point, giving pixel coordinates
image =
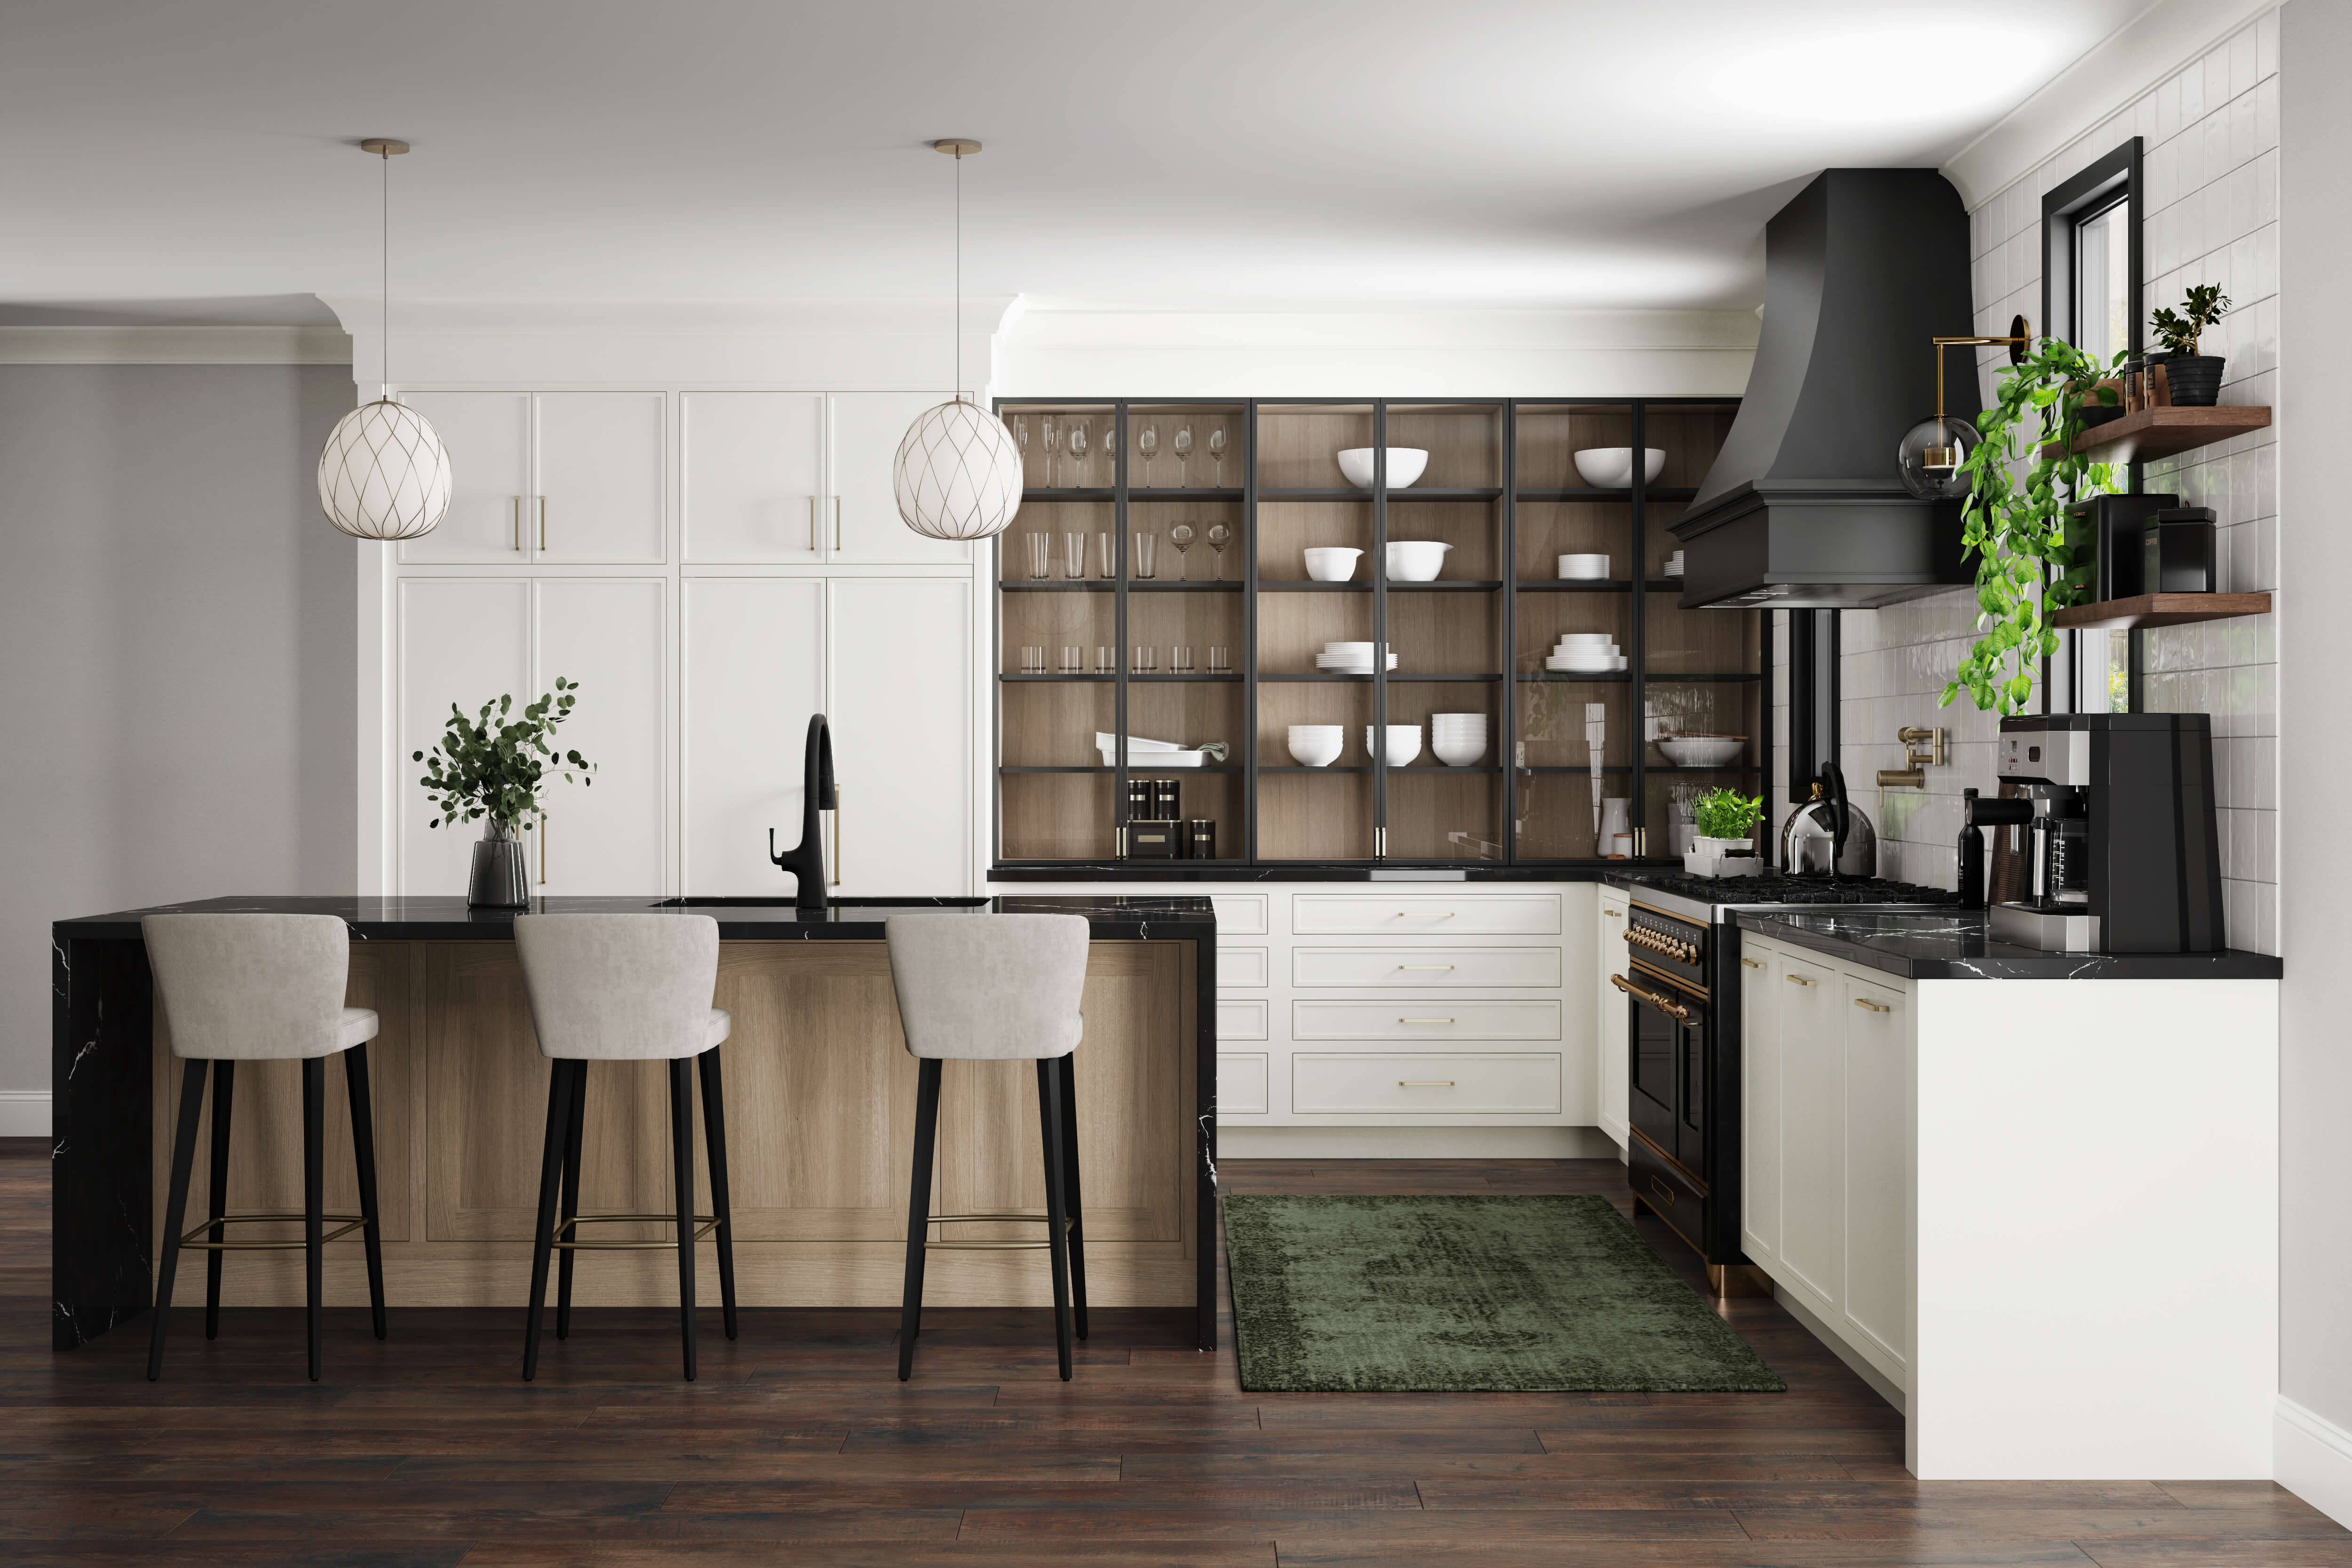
(601, 477)
(463, 641)
(753, 476)
(902, 715)
(488, 434)
(861, 524)
(608, 633)
(754, 674)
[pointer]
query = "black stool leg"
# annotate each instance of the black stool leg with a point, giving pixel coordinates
(1049, 1119)
(575, 1121)
(355, 1085)
(714, 1137)
(314, 1200)
(918, 1211)
(1070, 1188)
(175, 1209)
(681, 1143)
(550, 1166)
(216, 1200)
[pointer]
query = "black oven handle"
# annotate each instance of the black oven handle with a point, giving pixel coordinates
(1673, 1010)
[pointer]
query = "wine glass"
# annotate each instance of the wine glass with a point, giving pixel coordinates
(1109, 450)
(1217, 451)
(1077, 449)
(1147, 443)
(1181, 536)
(1219, 537)
(1021, 434)
(1046, 430)
(1183, 452)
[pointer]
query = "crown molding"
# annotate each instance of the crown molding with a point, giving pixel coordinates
(93, 345)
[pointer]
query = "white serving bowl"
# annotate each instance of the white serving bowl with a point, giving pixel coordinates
(1703, 750)
(1405, 464)
(1417, 560)
(1315, 750)
(1364, 648)
(1582, 664)
(1611, 467)
(1583, 568)
(1588, 640)
(1404, 743)
(1331, 563)
(1460, 753)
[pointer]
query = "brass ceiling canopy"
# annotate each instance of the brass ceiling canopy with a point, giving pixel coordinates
(955, 146)
(386, 145)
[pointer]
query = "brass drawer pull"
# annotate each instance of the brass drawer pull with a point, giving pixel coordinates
(1797, 980)
(1424, 1083)
(812, 550)
(518, 523)
(1674, 1010)
(542, 522)
(1425, 1020)
(837, 524)
(1873, 1007)
(1660, 1189)
(1612, 914)
(1752, 964)
(1424, 914)
(1424, 965)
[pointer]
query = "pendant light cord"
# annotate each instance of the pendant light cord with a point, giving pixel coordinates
(958, 277)
(384, 390)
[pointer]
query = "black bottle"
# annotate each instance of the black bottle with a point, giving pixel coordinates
(1972, 867)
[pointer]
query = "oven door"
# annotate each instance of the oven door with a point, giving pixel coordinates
(1667, 1037)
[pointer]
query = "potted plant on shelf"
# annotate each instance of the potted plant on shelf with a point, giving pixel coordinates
(1727, 826)
(2195, 379)
(491, 771)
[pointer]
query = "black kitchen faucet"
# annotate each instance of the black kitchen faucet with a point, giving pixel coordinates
(805, 859)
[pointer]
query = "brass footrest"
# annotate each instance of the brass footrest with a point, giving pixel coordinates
(1067, 1221)
(356, 1221)
(704, 1224)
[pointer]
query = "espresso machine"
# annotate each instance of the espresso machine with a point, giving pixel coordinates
(2114, 813)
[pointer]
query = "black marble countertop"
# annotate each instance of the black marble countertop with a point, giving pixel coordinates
(1958, 945)
(1112, 918)
(1310, 871)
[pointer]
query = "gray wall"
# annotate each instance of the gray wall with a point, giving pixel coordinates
(177, 653)
(2316, 747)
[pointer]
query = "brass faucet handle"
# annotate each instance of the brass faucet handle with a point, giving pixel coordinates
(1914, 736)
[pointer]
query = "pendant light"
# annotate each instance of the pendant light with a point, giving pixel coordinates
(1931, 457)
(384, 474)
(958, 473)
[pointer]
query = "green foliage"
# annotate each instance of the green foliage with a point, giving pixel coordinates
(2179, 330)
(480, 769)
(2014, 521)
(1726, 813)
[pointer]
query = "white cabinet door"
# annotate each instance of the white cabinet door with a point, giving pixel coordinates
(1812, 1123)
(488, 434)
(753, 476)
(600, 477)
(901, 713)
(464, 640)
(1878, 1099)
(606, 837)
(863, 525)
(1759, 1093)
(754, 674)
(1608, 1024)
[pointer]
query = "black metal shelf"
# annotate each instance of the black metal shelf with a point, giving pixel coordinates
(1598, 585)
(1132, 766)
(1393, 678)
(1646, 768)
(1167, 679)
(1330, 768)
(1015, 679)
(1134, 494)
(1295, 585)
(1109, 585)
(1648, 493)
(1650, 678)
(1394, 495)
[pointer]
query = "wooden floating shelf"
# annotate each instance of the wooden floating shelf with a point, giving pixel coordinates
(2154, 432)
(2160, 609)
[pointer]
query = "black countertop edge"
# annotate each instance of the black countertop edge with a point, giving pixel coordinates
(1110, 916)
(1958, 945)
(1185, 871)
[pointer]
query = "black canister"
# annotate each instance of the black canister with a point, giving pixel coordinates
(1155, 840)
(1200, 839)
(1166, 800)
(1138, 799)
(2178, 552)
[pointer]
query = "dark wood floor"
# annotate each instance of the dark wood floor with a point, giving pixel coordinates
(800, 1446)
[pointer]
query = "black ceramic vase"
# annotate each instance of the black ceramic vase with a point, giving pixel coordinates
(498, 880)
(2195, 379)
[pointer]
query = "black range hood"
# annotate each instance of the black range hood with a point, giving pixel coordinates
(1804, 508)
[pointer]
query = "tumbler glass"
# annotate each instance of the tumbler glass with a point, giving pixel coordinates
(1220, 661)
(1146, 554)
(1074, 555)
(1041, 555)
(1104, 663)
(1072, 663)
(1180, 661)
(1033, 661)
(1106, 557)
(1147, 661)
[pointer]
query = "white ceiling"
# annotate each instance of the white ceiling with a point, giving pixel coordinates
(189, 160)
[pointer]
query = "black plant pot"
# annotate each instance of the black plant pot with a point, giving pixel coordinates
(2195, 379)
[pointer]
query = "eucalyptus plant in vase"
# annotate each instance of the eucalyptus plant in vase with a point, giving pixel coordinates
(491, 769)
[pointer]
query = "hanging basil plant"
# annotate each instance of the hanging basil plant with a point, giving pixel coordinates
(2014, 521)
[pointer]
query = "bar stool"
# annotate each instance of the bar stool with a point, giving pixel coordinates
(625, 987)
(261, 987)
(995, 988)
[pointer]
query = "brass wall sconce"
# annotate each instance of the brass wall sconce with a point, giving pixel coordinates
(1913, 774)
(1930, 455)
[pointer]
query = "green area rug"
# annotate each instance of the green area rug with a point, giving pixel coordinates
(1483, 1294)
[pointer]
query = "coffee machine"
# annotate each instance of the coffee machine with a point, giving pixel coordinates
(2123, 854)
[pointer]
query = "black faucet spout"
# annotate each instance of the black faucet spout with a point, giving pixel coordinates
(805, 859)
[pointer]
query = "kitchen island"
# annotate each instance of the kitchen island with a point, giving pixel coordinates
(820, 1117)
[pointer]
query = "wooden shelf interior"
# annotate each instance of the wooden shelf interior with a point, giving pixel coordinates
(2153, 432)
(2160, 609)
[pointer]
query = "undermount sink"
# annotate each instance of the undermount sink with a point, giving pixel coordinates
(785, 899)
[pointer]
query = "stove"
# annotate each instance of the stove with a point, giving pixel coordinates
(1710, 898)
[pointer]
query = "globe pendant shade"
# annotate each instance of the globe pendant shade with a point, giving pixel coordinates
(384, 474)
(958, 474)
(1929, 459)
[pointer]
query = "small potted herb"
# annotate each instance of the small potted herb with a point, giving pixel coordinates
(1726, 821)
(492, 772)
(2195, 379)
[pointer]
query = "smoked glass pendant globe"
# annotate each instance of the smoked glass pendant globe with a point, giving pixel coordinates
(384, 474)
(1930, 456)
(958, 474)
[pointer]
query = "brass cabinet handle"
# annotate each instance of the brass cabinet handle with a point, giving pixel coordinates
(1612, 914)
(1425, 1020)
(1752, 964)
(1660, 1189)
(517, 522)
(1424, 1083)
(1424, 965)
(812, 525)
(542, 849)
(1797, 980)
(1674, 1010)
(836, 522)
(1873, 1007)
(542, 522)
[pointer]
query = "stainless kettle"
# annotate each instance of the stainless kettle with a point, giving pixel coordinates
(1829, 829)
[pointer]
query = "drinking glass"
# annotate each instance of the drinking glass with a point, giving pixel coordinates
(1220, 661)
(1147, 443)
(1041, 554)
(1181, 536)
(1217, 451)
(1106, 557)
(1147, 661)
(1078, 450)
(1074, 555)
(1183, 452)
(1220, 535)
(1071, 664)
(1045, 429)
(1033, 661)
(1104, 664)
(1146, 554)
(1180, 661)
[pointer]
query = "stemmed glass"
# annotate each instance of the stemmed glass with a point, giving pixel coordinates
(1184, 452)
(1109, 450)
(1077, 449)
(1219, 537)
(1021, 434)
(1046, 430)
(1147, 443)
(1181, 536)
(1217, 451)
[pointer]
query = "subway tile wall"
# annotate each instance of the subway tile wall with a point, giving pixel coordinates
(2210, 141)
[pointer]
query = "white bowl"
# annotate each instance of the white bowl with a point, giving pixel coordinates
(1331, 563)
(1417, 560)
(1583, 568)
(1364, 648)
(1588, 640)
(1458, 720)
(1318, 729)
(1581, 663)
(1703, 750)
(1460, 753)
(1315, 750)
(1404, 743)
(1611, 467)
(1405, 464)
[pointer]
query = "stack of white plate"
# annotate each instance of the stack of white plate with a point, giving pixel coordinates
(1585, 653)
(1404, 743)
(1348, 659)
(1458, 739)
(1317, 744)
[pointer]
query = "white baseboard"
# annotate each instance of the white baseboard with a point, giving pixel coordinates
(1886, 1386)
(1416, 1143)
(2312, 1457)
(23, 1113)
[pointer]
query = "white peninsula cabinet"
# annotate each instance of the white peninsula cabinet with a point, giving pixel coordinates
(2000, 1200)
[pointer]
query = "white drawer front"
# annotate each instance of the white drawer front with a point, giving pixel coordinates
(1242, 1017)
(1242, 1083)
(1486, 1083)
(1403, 1018)
(1242, 967)
(1402, 913)
(1240, 914)
(1423, 966)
